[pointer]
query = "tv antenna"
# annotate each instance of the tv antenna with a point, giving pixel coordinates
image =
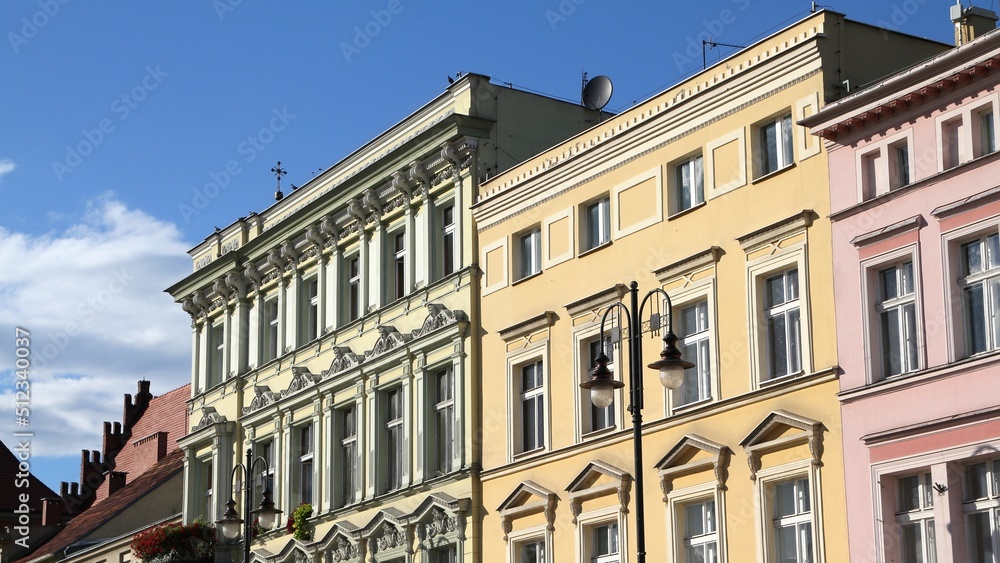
(596, 92)
(711, 44)
(278, 173)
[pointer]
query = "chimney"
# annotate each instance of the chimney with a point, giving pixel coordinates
(116, 481)
(52, 511)
(971, 22)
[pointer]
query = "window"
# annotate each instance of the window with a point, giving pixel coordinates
(207, 507)
(269, 347)
(781, 315)
(396, 287)
(216, 354)
(394, 439)
(532, 407)
(444, 419)
(529, 248)
(265, 480)
(597, 221)
(605, 543)
(447, 240)
(694, 336)
(899, 170)
(309, 311)
(444, 555)
(600, 418)
(690, 182)
(869, 174)
(950, 140)
(531, 552)
(305, 447)
(792, 521)
(984, 135)
(700, 534)
(347, 457)
(981, 292)
(982, 507)
(353, 294)
(915, 516)
(897, 320)
(775, 151)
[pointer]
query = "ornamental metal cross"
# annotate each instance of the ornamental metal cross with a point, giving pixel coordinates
(278, 173)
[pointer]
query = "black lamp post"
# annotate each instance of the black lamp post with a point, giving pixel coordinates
(266, 514)
(602, 385)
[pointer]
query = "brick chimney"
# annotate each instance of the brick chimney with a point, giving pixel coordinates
(971, 22)
(148, 451)
(116, 481)
(133, 411)
(53, 510)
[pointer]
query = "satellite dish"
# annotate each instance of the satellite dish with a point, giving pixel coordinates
(597, 92)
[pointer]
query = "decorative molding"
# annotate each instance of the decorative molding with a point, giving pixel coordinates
(301, 378)
(388, 339)
(343, 359)
(342, 549)
(209, 416)
(777, 230)
(516, 505)
(675, 462)
(391, 537)
(264, 397)
(524, 328)
(689, 264)
(440, 524)
(756, 443)
(889, 231)
(596, 301)
(438, 316)
(583, 486)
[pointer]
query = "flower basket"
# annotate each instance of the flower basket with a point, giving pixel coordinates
(168, 543)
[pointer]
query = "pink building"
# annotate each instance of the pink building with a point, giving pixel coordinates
(915, 190)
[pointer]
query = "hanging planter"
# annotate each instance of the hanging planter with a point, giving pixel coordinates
(173, 542)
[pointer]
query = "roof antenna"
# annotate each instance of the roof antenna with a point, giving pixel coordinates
(712, 44)
(278, 173)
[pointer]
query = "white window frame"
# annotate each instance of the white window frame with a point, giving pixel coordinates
(532, 354)
(677, 501)
(215, 370)
(398, 457)
(528, 242)
(907, 335)
(984, 129)
(396, 284)
(692, 169)
(789, 307)
(872, 299)
(448, 240)
(442, 454)
(922, 516)
(702, 371)
(766, 533)
(304, 457)
(270, 335)
(309, 310)
(266, 450)
(346, 486)
(988, 280)
(533, 397)
(884, 174)
(782, 145)
(353, 299)
(594, 235)
(588, 522)
(535, 534)
(989, 504)
(758, 271)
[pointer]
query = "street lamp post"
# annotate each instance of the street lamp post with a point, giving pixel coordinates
(266, 514)
(602, 385)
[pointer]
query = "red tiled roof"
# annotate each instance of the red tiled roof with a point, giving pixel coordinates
(9, 494)
(166, 413)
(97, 515)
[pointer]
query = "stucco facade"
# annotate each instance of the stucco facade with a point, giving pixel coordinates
(712, 192)
(334, 334)
(913, 179)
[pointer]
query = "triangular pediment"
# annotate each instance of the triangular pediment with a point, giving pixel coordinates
(598, 473)
(781, 425)
(341, 540)
(691, 450)
(526, 493)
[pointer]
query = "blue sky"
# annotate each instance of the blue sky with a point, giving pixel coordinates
(116, 116)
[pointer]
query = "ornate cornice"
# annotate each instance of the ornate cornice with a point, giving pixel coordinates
(264, 397)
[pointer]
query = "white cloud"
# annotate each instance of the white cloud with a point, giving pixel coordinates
(92, 298)
(6, 166)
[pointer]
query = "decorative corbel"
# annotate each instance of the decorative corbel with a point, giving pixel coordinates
(624, 492)
(721, 468)
(328, 227)
(314, 234)
(289, 252)
(189, 307)
(275, 259)
(355, 210)
(753, 460)
(371, 201)
(550, 513)
(507, 526)
(420, 177)
(201, 302)
(401, 184)
(816, 446)
(251, 272)
(574, 508)
(237, 284)
(666, 485)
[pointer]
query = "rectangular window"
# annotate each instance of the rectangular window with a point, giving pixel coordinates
(981, 292)
(690, 181)
(309, 311)
(447, 240)
(208, 507)
(305, 445)
(265, 479)
(605, 543)
(600, 418)
(897, 320)
(783, 332)
(269, 349)
(694, 344)
(444, 419)
(353, 296)
(701, 541)
(775, 151)
(869, 174)
(348, 456)
(394, 439)
(529, 246)
(444, 555)
(950, 139)
(216, 355)
(981, 504)
(532, 407)
(900, 169)
(915, 517)
(984, 136)
(397, 277)
(793, 521)
(531, 552)
(597, 223)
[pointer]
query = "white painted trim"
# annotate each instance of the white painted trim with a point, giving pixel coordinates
(548, 260)
(505, 261)
(617, 231)
(711, 190)
(869, 297)
(676, 499)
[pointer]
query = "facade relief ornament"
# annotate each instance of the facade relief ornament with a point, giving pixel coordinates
(189, 307)
(437, 317)
(373, 204)
(264, 397)
(343, 550)
(388, 339)
(328, 228)
(391, 537)
(209, 416)
(440, 524)
(301, 378)
(275, 259)
(290, 254)
(222, 289)
(401, 183)
(418, 175)
(343, 359)
(237, 284)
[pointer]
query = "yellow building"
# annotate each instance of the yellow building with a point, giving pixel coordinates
(333, 334)
(712, 192)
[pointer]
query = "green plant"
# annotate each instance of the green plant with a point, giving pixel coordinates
(194, 542)
(299, 522)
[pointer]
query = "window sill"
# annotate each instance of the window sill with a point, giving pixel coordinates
(780, 379)
(598, 433)
(526, 278)
(774, 173)
(594, 249)
(683, 212)
(530, 453)
(690, 406)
